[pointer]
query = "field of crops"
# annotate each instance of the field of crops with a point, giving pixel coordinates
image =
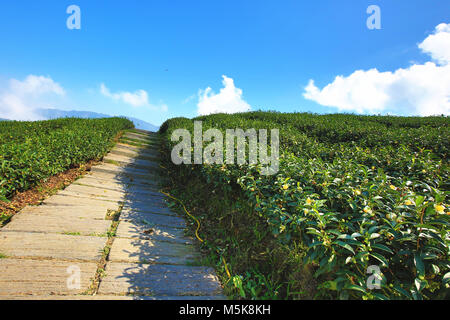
(353, 192)
(32, 151)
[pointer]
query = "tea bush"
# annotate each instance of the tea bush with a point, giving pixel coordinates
(32, 151)
(357, 191)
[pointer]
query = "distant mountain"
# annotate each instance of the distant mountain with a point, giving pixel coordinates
(143, 125)
(55, 113)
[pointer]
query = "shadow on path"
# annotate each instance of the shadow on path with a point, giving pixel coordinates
(151, 256)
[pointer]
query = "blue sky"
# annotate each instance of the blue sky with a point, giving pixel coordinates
(173, 49)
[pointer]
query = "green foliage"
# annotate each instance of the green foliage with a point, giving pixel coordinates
(238, 242)
(32, 151)
(355, 191)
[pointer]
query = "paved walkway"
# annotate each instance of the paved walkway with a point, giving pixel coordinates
(112, 224)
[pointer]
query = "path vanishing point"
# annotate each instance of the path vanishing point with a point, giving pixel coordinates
(109, 235)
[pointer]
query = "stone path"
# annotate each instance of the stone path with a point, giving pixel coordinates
(56, 250)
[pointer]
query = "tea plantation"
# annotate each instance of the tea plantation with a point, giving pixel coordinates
(32, 151)
(352, 192)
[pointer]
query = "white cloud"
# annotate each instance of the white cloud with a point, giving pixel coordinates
(20, 99)
(228, 100)
(437, 45)
(36, 85)
(138, 98)
(421, 89)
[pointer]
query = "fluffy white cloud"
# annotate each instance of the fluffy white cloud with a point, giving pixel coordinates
(36, 85)
(19, 100)
(437, 45)
(138, 98)
(228, 100)
(421, 89)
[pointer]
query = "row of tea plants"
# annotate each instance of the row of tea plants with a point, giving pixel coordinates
(355, 191)
(31, 151)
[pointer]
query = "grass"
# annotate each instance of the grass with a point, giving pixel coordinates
(102, 235)
(111, 234)
(3, 256)
(69, 233)
(114, 162)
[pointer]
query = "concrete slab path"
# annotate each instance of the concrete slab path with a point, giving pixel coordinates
(109, 235)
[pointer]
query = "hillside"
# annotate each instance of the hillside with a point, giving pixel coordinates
(35, 150)
(352, 195)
